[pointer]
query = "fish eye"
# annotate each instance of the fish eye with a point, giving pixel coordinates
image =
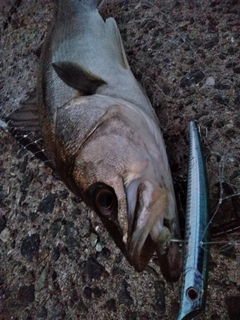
(104, 199)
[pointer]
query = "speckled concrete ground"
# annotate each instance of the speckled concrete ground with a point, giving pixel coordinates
(56, 260)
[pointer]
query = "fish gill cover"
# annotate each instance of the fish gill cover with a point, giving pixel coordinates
(186, 55)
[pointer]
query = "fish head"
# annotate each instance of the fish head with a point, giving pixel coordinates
(123, 177)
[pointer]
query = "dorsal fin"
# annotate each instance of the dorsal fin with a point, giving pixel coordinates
(77, 77)
(114, 34)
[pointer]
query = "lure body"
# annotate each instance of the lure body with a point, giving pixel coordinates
(195, 269)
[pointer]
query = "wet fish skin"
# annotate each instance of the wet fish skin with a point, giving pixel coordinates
(102, 136)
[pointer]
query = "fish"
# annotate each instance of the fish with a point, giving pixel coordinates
(195, 265)
(100, 134)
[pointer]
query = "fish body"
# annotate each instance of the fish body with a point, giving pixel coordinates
(102, 136)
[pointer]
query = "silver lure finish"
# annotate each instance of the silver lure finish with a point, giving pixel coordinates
(195, 269)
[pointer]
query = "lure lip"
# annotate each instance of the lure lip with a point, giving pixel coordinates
(195, 268)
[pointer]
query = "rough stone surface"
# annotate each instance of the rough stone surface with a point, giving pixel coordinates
(186, 56)
(30, 246)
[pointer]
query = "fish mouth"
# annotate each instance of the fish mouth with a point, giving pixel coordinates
(150, 231)
(141, 249)
(148, 227)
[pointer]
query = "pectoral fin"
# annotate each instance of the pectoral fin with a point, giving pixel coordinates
(78, 78)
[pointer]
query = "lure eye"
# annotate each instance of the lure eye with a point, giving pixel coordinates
(192, 293)
(104, 200)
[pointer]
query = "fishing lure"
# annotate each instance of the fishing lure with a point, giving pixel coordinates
(195, 269)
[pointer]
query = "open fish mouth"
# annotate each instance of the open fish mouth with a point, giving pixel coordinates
(150, 231)
(141, 247)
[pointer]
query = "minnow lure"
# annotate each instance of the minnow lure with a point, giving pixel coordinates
(195, 268)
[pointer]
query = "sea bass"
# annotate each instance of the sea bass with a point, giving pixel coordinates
(102, 136)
